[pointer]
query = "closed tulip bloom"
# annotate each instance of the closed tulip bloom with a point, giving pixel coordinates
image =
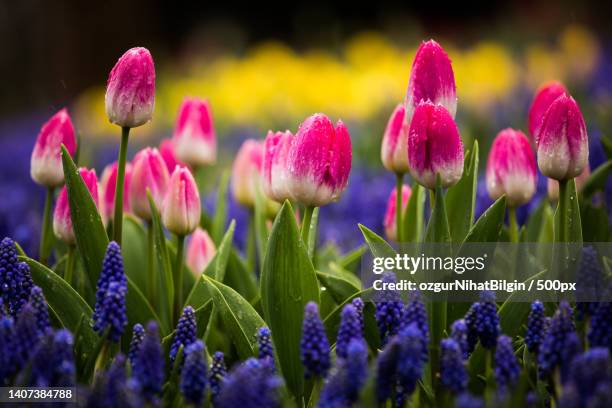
(431, 79)
(148, 172)
(511, 168)
(394, 151)
(319, 161)
(390, 215)
(553, 185)
(46, 161)
(246, 172)
(434, 146)
(168, 153)
(562, 143)
(130, 90)
(182, 207)
(200, 251)
(62, 222)
(194, 135)
(275, 171)
(544, 97)
(108, 185)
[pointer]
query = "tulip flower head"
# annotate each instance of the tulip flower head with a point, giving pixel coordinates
(319, 161)
(200, 251)
(194, 135)
(246, 172)
(148, 172)
(168, 153)
(62, 222)
(395, 142)
(553, 185)
(275, 171)
(46, 161)
(431, 79)
(434, 146)
(390, 214)
(108, 184)
(561, 140)
(130, 90)
(511, 168)
(544, 97)
(182, 208)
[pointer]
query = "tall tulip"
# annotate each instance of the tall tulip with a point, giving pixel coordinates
(544, 97)
(246, 172)
(108, 181)
(395, 142)
(148, 172)
(194, 134)
(200, 251)
(168, 153)
(275, 170)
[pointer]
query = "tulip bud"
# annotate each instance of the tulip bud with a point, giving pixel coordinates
(194, 134)
(431, 79)
(46, 161)
(167, 151)
(511, 168)
(275, 171)
(108, 185)
(434, 146)
(390, 222)
(130, 90)
(182, 207)
(200, 251)
(246, 172)
(62, 222)
(553, 185)
(148, 172)
(319, 161)
(544, 97)
(563, 146)
(394, 152)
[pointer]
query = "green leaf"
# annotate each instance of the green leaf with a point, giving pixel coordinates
(489, 226)
(438, 229)
(340, 287)
(220, 217)
(378, 246)
(259, 223)
(134, 251)
(595, 225)
(598, 179)
(461, 198)
(288, 283)
(413, 215)
(312, 235)
(239, 278)
(568, 227)
(350, 261)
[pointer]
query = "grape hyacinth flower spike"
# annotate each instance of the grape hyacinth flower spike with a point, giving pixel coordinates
(507, 368)
(185, 332)
(193, 375)
(350, 329)
(536, 327)
(15, 280)
(459, 333)
(149, 368)
(348, 377)
(138, 334)
(389, 307)
(39, 303)
(218, 372)
(129, 100)
(265, 348)
(556, 340)
(194, 137)
(250, 384)
(453, 373)
(487, 320)
(274, 168)
(392, 215)
(314, 345)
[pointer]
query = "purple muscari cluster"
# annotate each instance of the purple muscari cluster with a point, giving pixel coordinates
(536, 326)
(138, 334)
(346, 380)
(26, 336)
(415, 313)
(149, 368)
(600, 330)
(39, 303)
(6, 348)
(410, 364)
(186, 332)
(386, 370)
(218, 372)
(389, 307)
(467, 400)
(589, 281)
(470, 323)
(113, 389)
(453, 374)
(556, 340)
(350, 329)
(573, 348)
(358, 305)
(590, 371)
(264, 344)
(52, 364)
(15, 279)
(250, 385)
(506, 366)
(459, 333)
(193, 375)
(110, 310)
(314, 346)
(483, 321)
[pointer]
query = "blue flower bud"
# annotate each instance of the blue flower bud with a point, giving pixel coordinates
(388, 309)
(415, 313)
(15, 279)
(218, 371)
(250, 385)
(459, 333)
(536, 322)
(264, 344)
(39, 303)
(186, 332)
(138, 334)
(193, 375)
(453, 374)
(507, 369)
(556, 339)
(149, 368)
(314, 345)
(350, 329)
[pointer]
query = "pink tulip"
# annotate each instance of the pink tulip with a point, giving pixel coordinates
(194, 135)
(182, 208)
(108, 185)
(130, 90)
(62, 222)
(390, 222)
(167, 151)
(434, 146)
(319, 161)
(46, 161)
(563, 146)
(431, 79)
(148, 172)
(275, 171)
(553, 185)
(511, 168)
(544, 97)
(394, 152)
(246, 172)
(200, 251)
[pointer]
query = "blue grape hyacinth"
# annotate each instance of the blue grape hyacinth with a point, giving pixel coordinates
(589, 282)
(453, 374)
(386, 370)
(39, 303)
(6, 348)
(186, 332)
(52, 364)
(487, 320)
(138, 333)
(348, 377)
(26, 336)
(467, 400)
(536, 326)
(193, 375)
(149, 368)
(314, 345)
(590, 370)
(410, 363)
(350, 329)
(415, 313)
(556, 339)
(113, 389)
(250, 385)
(459, 333)
(506, 366)
(600, 329)
(218, 372)
(359, 305)
(15, 279)
(389, 307)
(264, 344)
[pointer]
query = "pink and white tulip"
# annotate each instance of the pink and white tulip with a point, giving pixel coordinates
(130, 90)
(394, 151)
(553, 185)
(390, 221)
(200, 251)
(148, 172)
(561, 140)
(434, 146)
(319, 161)
(46, 160)
(246, 172)
(167, 151)
(108, 186)
(544, 97)
(62, 222)
(275, 170)
(194, 135)
(431, 79)
(182, 208)
(511, 168)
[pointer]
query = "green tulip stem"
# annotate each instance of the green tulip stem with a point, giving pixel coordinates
(399, 182)
(152, 278)
(562, 208)
(70, 261)
(178, 277)
(306, 224)
(513, 230)
(118, 217)
(46, 235)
